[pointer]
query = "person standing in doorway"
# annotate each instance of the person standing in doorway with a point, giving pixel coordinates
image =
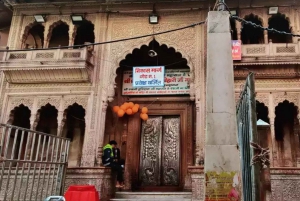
(109, 160)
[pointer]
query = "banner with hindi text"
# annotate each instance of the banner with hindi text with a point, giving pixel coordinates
(176, 82)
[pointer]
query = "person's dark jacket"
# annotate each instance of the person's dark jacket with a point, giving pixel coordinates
(108, 155)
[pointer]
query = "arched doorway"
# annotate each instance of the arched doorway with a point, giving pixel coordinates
(158, 151)
(59, 35)
(286, 123)
(250, 34)
(74, 129)
(19, 116)
(280, 23)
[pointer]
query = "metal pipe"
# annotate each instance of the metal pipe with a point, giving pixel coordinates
(221, 6)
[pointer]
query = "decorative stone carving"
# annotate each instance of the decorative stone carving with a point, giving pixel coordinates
(198, 182)
(280, 97)
(285, 184)
(54, 101)
(88, 156)
(80, 100)
(26, 101)
(183, 41)
(263, 98)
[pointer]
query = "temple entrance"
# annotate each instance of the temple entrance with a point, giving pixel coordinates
(160, 152)
(157, 151)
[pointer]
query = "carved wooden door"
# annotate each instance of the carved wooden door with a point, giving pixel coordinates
(160, 151)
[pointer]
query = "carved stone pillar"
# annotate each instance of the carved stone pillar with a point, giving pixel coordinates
(198, 183)
(274, 159)
(72, 34)
(34, 120)
(296, 148)
(238, 30)
(101, 132)
(198, 134)
(266, 37)
(46, 37)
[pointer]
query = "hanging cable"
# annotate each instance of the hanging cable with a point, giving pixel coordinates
(263, 28)
(108, 42)
(256, 25)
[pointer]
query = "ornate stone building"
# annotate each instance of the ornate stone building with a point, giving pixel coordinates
(71, 92)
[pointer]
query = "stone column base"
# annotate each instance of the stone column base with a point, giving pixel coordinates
(285, 184)
(198, 182)
(100, 177)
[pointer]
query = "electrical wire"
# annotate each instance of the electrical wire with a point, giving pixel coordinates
(263, 28)
(256, 25)
(108, 42)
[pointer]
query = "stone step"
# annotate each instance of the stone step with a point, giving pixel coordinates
(150, 199)
(145, 196)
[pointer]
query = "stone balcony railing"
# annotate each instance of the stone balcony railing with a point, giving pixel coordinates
(271, 53)
(61, 65)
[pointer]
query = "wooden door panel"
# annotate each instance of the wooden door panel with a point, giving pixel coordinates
(171, 151)
(150, 157)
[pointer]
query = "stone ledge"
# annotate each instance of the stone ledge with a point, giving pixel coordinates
(100, 177)
(285, 171)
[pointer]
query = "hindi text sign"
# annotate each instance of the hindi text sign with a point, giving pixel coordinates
(236, 50)
(151, 76)
(177, 81)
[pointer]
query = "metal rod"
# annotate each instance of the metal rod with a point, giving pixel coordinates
(34, 166)
(32, 142)
(24, 164)
(59, 172)
(50, 165)
(4, 155)
(17, 167)
(44, 171)
(12, 155)
(40, 168)
(54, 169)
(28, 130)
(2, 140)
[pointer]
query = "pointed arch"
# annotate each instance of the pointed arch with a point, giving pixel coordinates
(249, 34)
(36, 31)
(282, 23)
(85, 32)
(61, 34)
(74, 126)
(286, 125)
(136, 46)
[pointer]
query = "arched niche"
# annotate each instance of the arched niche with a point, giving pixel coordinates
(74, 129)
(17, 141)
(33, 36)
(84, 33)
(262, 112)
(286, 124)
(250, 34)
(58, 34)
(281, 23)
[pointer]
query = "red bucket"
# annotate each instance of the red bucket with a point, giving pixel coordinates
(80, 193)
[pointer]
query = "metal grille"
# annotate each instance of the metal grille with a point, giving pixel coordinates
(247, 132)
(32, 164)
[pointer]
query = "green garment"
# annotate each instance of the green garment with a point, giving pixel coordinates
(108, 146)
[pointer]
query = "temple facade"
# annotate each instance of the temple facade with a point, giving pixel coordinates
(71, 92)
